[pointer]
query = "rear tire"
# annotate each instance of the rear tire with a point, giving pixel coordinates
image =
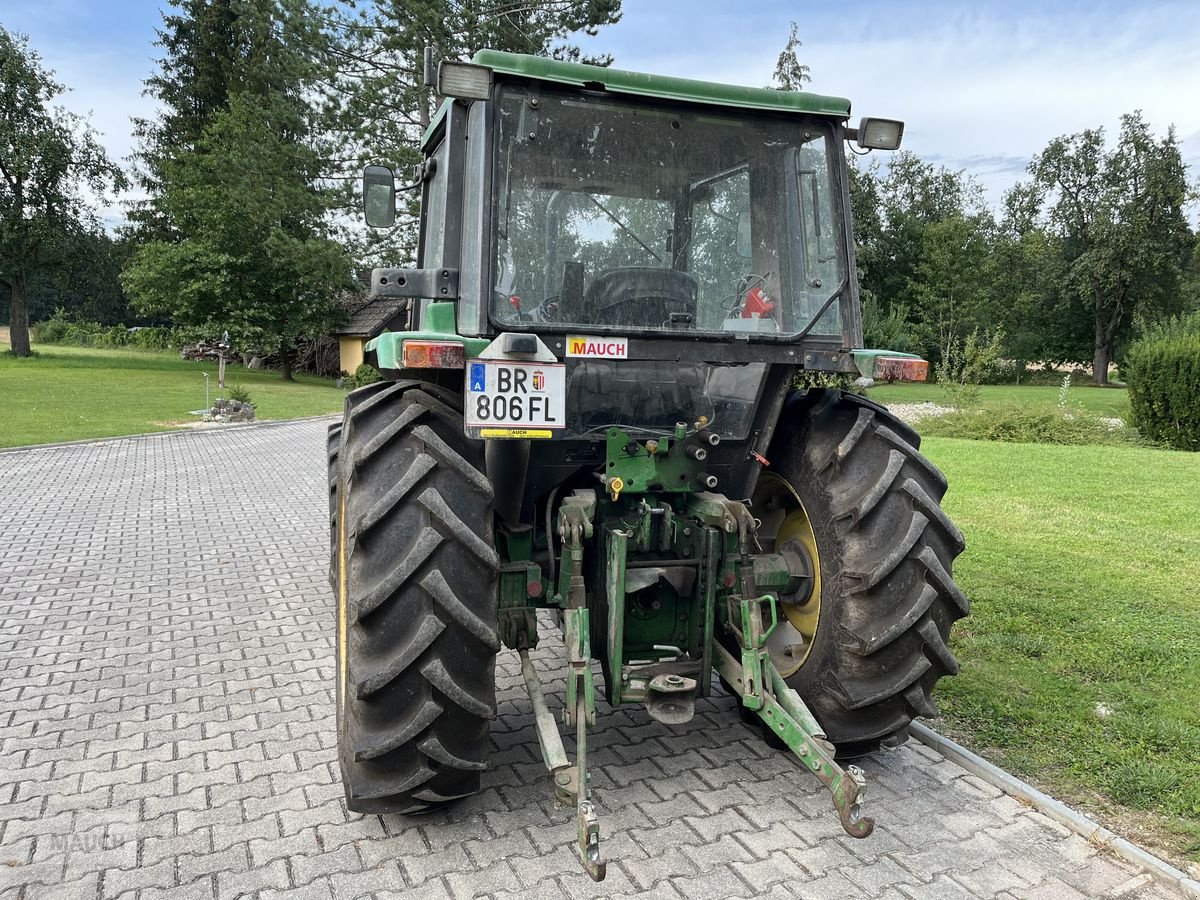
(886, 550)
(416, 576)
(333, 447)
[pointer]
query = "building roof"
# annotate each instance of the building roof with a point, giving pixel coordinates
(662, 86)
(372, 318)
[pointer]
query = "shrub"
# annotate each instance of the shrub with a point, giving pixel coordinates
(150, 338)
(887, 331)
(967, 363)
(238, 393)
(181, 336)
(1163, 373)
(362, 376)
(841, 381)
(83, 334)
(53, 329)
(117, 336)
(1028, 425)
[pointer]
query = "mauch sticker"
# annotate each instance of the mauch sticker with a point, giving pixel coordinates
(598, 347)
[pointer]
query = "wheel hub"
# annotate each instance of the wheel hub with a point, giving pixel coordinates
(787, 526)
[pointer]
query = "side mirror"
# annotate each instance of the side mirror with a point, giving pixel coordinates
(379, 196)
(743, 247)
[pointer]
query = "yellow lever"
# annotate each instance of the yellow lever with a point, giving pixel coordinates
(615, 486)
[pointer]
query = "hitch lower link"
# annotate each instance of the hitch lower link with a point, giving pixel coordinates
(755, 678)
(571, 784)
(764, 691)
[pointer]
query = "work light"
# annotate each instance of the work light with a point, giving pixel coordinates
(464, 80)
(879, 134)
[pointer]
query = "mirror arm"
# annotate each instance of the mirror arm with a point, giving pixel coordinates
(422, 173)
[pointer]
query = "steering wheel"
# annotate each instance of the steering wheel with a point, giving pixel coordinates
(645, 296)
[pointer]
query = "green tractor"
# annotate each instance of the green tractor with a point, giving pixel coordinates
(620, 280)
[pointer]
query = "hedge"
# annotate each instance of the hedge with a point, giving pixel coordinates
(1163, 373)
(59, 329)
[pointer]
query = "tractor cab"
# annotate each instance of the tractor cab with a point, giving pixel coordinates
(697, 232)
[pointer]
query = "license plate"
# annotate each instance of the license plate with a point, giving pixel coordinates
(528, 398)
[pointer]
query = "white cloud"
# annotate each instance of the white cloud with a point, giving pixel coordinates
(981, 91)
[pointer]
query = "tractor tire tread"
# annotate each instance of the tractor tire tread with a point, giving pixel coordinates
(887, 644)
(420, 601)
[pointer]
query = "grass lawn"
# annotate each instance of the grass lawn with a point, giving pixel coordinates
(1081, 659)
(1098, 400)
(68, 393)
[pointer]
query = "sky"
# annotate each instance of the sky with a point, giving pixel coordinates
(981, 86)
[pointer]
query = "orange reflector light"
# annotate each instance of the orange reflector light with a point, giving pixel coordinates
(898, 368)
(432, 355)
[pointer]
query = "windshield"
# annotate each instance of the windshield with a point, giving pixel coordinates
(621, 216)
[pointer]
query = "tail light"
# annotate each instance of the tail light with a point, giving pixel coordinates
(898, 368)
(432, 355)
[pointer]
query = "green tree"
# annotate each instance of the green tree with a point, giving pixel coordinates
(1118, 215)
(916, 195)
(214, 50)
(203, 45)
(379, 105)
(923, 239)
(1027, 283)
(950, 289)
(790, 73)
(1191, 277)
(85, 282)
(248, 247)
(47, 157)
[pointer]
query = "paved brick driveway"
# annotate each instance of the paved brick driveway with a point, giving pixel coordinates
(166, 728)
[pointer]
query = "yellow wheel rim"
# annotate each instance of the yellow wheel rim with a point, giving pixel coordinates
(784, 521)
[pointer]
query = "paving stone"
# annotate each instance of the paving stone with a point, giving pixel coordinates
(421, 868)
(120, 881)
(1099, 876)
(254, 881)
(191, 751)
(81, 888)
(721, 882)
(777, 867)
(316, 890)
(496, 875)
(1052, 889)
(535, 871)
(191, 868)
(383, 879)
(667, 863)
(941, 887)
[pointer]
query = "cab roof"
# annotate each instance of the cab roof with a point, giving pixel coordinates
(662, 87)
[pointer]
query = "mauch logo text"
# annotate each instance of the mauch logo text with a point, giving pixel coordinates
(598, 347)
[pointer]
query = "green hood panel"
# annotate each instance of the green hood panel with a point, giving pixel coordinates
(662, 87)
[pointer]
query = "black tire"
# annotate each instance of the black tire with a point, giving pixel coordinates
(333, 446)
(417, 633)
(888, 598)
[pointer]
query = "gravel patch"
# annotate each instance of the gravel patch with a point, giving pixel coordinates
(915, 412)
